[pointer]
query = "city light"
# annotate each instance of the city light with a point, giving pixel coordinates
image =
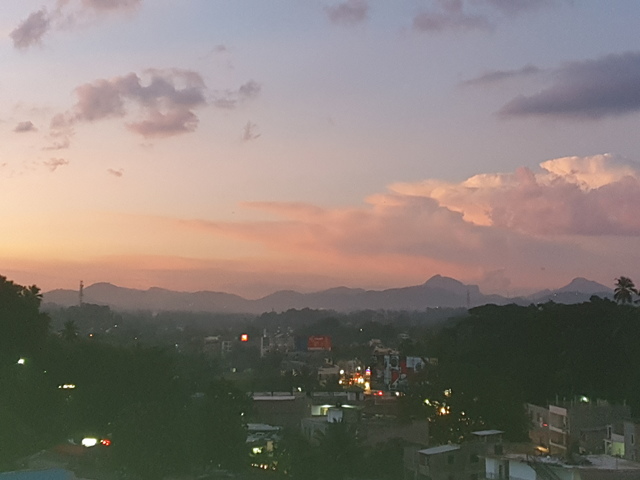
(89, 442)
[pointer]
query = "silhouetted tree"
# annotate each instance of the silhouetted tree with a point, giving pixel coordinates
(339, 444)
(221, 423)
(70, 331)
(23, 328)
(625, 290)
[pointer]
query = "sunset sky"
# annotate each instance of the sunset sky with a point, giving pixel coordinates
(249, 146)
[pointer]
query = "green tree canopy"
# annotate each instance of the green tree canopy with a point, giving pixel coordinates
(23, 328)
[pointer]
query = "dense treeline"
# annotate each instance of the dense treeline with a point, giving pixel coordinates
(551, 350)
(170, 410)
(157, 408)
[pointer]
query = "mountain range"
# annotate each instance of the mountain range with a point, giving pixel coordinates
(437, 292)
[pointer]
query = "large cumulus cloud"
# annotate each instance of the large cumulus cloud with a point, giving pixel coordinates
(572, 216)
(569, 196)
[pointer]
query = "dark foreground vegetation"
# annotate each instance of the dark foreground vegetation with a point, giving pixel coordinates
(167, 409)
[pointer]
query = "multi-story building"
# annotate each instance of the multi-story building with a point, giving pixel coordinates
(559, 428)
(631, 432)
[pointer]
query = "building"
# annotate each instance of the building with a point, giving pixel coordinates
(283, 409)
(463, 461)
(577, 425)
(631, 430)
(530, 467)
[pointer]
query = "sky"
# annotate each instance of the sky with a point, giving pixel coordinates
(250, 146)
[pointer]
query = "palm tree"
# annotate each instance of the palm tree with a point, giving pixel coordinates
(624, 291)
(70, 331)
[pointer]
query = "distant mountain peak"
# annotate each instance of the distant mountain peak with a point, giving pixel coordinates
(438, 291)
(581, 284)
(443, 282)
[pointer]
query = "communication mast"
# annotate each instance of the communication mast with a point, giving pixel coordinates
(81, 293)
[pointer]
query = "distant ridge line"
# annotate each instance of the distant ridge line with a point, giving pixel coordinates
(437, 292)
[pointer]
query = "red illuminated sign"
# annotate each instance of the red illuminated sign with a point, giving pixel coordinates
(319, 342)
(244, 337)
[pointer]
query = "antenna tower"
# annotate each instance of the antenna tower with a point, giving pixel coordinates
(81, 293)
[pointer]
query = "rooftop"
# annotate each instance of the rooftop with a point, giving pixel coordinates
(485, 433)
(439, 449)
(591, 462)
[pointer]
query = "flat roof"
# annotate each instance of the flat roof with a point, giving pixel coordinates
(274, 398)
(595, 462)
(439, 449)
(484, 433)
(262, 427)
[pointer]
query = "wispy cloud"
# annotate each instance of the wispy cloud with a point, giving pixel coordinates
(250, 132)
(66, 14)
(591, 89)
(502, 75)
(514, 7)
(23, 127)
(53, 163)
(116, 173)
(230, 99)
(349, 12)
(107, 5)
(448, 15)
(31, 30)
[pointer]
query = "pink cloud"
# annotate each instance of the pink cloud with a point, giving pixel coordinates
(530, 228)
(26, 126)
(53, 163)
(31, 30)
(569, 196)
(488, 227)
(165, 99)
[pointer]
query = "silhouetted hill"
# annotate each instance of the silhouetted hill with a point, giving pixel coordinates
(577, 291)
(438, 291)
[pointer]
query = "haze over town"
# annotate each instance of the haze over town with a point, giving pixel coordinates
(254, 146)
